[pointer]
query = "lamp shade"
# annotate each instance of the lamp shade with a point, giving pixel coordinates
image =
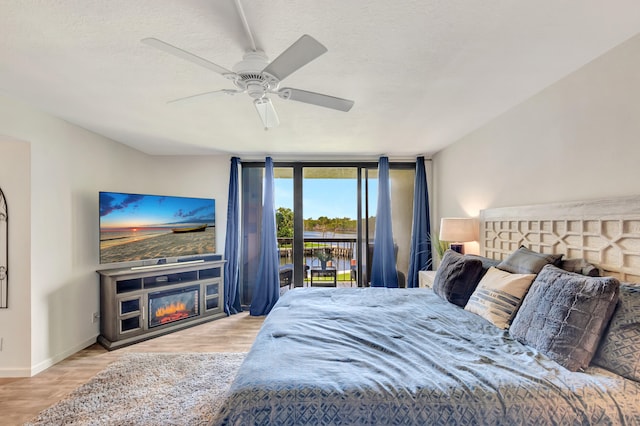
(457, 229)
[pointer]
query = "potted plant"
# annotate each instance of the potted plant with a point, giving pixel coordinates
(323, 256)
(440, 246)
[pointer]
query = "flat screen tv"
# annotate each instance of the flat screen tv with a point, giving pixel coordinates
(155, 228)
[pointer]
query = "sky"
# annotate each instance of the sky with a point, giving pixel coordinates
(325, 197)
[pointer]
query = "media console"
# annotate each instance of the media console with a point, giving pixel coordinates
(140, 303)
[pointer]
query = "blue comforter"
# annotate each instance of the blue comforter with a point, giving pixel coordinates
(404, 356)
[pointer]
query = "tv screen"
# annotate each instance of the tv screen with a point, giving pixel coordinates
(138, 227)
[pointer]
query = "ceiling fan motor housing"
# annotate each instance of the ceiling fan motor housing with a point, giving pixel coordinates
(250, 75)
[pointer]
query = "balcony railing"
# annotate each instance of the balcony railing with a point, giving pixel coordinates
(342, 253)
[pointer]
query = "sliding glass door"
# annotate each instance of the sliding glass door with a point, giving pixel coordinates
(325, 217)
(330, 218)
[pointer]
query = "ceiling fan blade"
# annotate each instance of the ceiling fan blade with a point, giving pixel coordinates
(267, 113)
(300, 53)
(212, 93)
(180, 53)
(315, 99)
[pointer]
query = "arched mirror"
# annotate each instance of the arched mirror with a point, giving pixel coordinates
(4, 250)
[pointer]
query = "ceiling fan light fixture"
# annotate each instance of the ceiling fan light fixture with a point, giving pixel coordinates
(267, 112)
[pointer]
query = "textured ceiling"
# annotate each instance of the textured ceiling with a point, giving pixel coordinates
(422, 73)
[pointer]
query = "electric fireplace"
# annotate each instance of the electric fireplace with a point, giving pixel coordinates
(173, 305)
(145, 302)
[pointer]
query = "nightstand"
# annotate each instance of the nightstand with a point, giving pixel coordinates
(425, 278)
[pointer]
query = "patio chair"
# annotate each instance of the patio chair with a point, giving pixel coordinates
(286, 275)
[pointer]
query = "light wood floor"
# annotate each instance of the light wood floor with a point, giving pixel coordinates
(21, 399)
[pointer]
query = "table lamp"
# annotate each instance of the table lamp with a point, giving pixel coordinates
(457, 230)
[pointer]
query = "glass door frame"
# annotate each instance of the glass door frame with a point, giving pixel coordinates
(362, 173)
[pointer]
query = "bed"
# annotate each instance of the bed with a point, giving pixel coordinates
(427, 356)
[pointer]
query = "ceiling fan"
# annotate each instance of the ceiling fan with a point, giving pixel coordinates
(259, 78)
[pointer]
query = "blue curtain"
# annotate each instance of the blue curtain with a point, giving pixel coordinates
(267, 289)
(420, 255)
(383, 267)
(232, 245)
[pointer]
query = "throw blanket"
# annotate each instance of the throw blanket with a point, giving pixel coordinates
(405, 356)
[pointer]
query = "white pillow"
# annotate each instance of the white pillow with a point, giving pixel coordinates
(499, 295)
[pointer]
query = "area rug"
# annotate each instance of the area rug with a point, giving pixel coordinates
(149, 389)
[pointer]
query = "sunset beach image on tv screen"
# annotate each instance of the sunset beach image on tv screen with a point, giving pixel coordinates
(135, 227)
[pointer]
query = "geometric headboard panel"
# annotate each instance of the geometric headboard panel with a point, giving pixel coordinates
(604, 232)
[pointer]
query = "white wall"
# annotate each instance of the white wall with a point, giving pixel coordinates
(578, 139)
(68, 167)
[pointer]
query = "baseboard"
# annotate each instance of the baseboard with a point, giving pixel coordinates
(41, 366)
(14, 372)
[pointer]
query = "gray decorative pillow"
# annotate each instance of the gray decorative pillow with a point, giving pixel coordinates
(486, 262)
(457, 277)
(580, 266)
(565, 314)
(525, 261)
(619, 350)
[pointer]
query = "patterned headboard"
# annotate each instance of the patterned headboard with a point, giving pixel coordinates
(604, 232)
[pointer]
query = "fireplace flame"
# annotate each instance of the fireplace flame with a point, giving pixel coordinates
(171, 309)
